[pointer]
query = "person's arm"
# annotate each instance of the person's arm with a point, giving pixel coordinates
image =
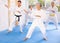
(56, 9)
(25, 11)
(6, 5)
(37, 16)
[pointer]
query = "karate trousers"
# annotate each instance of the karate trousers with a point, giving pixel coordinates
(39, 23)
(13, 22)
(53, 19)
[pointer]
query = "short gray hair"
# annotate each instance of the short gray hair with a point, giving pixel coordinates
(39, 4)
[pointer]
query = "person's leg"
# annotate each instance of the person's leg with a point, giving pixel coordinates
(27, 19)
(12, 23)
(30, 31)
(42, 29)
(22, 23)
(47, 22)
(55, 20)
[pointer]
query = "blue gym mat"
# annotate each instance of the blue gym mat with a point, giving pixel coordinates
(16, 36)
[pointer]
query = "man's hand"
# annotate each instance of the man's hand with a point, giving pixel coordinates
(16, 23)
(6, 5)
(53, 11)
(26, 11)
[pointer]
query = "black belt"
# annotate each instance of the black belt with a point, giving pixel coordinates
(18, 17)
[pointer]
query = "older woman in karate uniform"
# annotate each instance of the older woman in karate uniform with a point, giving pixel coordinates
(37, 15)
(53, 14)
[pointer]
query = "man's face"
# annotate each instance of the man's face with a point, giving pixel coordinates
(52, 4)
(30, 7)
(19, 4)
(38, 6)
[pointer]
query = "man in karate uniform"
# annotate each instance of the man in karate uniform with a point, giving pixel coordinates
(37, 16)
(52, 14)
(19, 17)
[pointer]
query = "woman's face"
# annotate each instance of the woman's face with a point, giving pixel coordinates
(52, 4)
(38, 6)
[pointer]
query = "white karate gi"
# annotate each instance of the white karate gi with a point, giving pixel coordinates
(13, 18)
(37, 21)
(29, 19)
(52, 15)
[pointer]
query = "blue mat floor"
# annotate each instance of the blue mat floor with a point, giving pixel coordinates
(16, 37)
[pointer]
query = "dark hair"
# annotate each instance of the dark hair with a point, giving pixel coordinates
(19, 1)
(40, 5)
(30, 6)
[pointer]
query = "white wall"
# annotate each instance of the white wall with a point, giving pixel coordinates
(3, 16)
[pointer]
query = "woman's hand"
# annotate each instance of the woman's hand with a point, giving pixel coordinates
(37, 16)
